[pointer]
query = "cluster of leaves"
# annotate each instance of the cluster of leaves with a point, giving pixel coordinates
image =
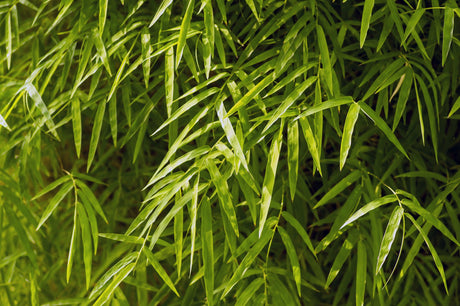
(229, 152)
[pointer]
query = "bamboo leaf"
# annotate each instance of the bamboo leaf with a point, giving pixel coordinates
(54, 203)
(382, 126)
(325, 58)
(73, 246)
(269, 178)
(290, 249)
(225, 197)
(248, 260)
(389, 236)
(341, 257)
(361, 273)
(230, 133)
(159, 269)
(447, 32)
(36, 97)
(412, 23)
(369, 207)
(350, 122)
(430, 218)
(208, 249)
(365, 21)
(76, 124)
(184, 30)
(52, 186)
(300, 230)
(95, 135)
(433, 252)
(311, 142)
(86, 238)
(108, 292)
(293, 156)
(163, 6)
(102, 14)
(338, 188)
(290, 99)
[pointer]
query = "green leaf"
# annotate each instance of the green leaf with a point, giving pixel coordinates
(412, 23)
(300, 230)
(430, 218)
(184, 30)
(369, 207)
(73, 246)
(293, 156)
(76, 124)
(230, 133)
(52, 186)
(225, 198)
(389, 236)
(251, 255)
(325, 105)
(290, 249)
(54, 203)
(113, 119)
(350, 122)
(159, 269)
(86, 238)
(88, 197)
(207, 249)
(252, 93)
(403, 97)
(36, 97)
(97, 38)
(98, 119)
(311, 142)
(269, 178)
(146, 51)
(163, 6)
(365, 21)
(455, 107)
(338, 188)
(108, 292)
(9, 40)
(433, 252)
(325, 58)
(447, 32)
(341, 257)
(382, 126)
(249, 292)
(361, 273)
(102, 14)
(290, 99)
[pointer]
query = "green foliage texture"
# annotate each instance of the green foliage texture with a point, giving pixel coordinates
(229, 152)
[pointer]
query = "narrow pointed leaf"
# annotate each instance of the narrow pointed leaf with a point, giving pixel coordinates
(207, 249)
(365, 21)
(338, 188)
(54, 203)
(350, 122)
(447, 32)
(290, 249)
(159, 269)
(98, 119)
(86, 238)
(389, 236)
(269, 179)
(433, 251)
(369, 207)
(361, 273)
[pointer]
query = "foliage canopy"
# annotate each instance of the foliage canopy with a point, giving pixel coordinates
(229, 152)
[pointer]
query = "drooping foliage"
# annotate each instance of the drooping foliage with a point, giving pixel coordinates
(229, 152)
